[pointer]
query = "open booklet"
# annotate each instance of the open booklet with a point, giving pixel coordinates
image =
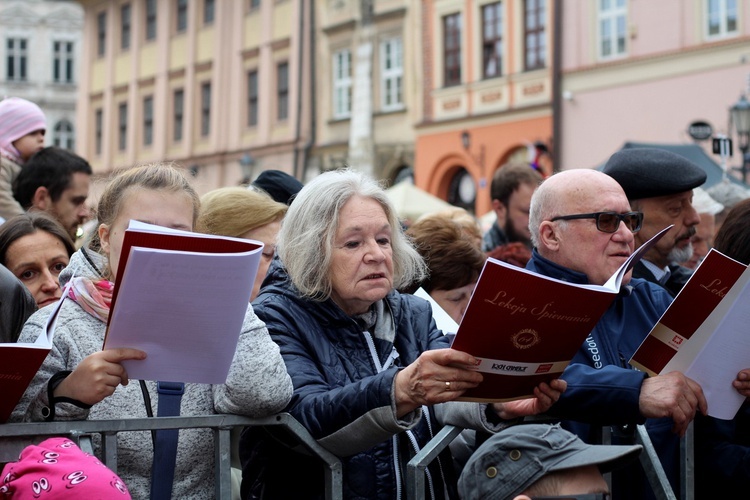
(181, 297)
(525, 327)
(21, 361)
(703, 333)
(442, 319)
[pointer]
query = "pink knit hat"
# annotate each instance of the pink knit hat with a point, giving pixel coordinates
(18, 117)
(57, 468)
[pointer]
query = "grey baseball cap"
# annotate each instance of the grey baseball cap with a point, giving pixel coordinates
(512, 460)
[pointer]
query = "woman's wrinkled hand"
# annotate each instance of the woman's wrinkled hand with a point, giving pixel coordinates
(98, 375)
(437, 376)
(545, 395)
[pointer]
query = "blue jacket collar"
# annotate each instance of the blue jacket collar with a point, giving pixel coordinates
(540, 265)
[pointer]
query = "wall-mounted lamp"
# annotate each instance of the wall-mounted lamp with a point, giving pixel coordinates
(247, 162)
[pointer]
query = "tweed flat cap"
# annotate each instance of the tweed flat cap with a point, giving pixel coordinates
(651, 172)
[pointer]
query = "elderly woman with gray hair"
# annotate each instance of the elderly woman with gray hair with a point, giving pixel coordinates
(373, 377)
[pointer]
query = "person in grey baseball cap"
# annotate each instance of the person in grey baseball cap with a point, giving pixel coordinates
(660, 184)
(535, 460)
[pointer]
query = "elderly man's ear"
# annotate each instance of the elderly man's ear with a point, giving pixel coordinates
(41, 199)
(548, 235)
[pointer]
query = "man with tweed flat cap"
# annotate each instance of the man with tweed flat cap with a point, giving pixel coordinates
(660, 184)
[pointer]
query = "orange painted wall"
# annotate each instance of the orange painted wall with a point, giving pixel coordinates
(439, 155)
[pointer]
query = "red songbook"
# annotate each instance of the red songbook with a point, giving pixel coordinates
(698, 298)
(21, 361)
(181, 297)
(525, 327)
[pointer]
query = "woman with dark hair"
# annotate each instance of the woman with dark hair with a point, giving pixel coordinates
(36, 248)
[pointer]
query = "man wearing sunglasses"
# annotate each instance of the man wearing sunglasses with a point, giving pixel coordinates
(660, 184)
(539, 461)
(583, 229)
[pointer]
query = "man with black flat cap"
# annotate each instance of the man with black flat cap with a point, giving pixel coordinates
(660, 184)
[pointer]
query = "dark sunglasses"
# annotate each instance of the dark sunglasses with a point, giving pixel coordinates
(587, 496)
(608, 222)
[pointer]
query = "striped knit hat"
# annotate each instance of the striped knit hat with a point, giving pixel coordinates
(18, 117)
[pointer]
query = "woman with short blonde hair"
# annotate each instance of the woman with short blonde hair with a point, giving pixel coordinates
(243, 213)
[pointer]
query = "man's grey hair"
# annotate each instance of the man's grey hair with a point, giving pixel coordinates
(305, 242)
(545, 204)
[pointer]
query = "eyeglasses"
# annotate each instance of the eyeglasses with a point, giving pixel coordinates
(608, 222)
(587, 496)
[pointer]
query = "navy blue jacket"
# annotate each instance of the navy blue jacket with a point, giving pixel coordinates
(343, 398)
(602, 387)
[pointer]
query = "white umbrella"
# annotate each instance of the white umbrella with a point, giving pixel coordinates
(411, 202)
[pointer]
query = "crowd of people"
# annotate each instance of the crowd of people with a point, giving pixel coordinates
(335, 334)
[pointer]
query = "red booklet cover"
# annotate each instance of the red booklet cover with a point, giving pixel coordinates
(21, 361)
(698, 298)
(526, 328)
(20, 364)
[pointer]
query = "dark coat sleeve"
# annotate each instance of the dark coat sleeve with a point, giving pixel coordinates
(606, 396)
(338, 396)
(16, 305)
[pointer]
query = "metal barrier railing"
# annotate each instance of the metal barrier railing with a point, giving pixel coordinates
(15, 437)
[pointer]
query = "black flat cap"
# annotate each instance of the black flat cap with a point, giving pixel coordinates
(651, 172)
(281, 186)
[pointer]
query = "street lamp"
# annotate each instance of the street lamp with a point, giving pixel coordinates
(479, 160)
(247, 162)
(740, 114)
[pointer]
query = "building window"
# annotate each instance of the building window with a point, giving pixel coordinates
(62, 62)
(492, 40)
(178, 105)
(206, 109)
(101, 33)
(722, 18)
(63, 137)
(282, 86)
(122, 128)
(148, 120)
(452, 50)
(98, 131)
(254, 4)
(150, 19)
(391, 74)
(535, 13)
(182, 12)
(342, 83)
(613, 15)
(125, 26)
(17, 62)
(208, 11)
(252, 98)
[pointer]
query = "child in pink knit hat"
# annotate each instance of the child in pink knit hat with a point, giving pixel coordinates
(22, 127)
(57, 468)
